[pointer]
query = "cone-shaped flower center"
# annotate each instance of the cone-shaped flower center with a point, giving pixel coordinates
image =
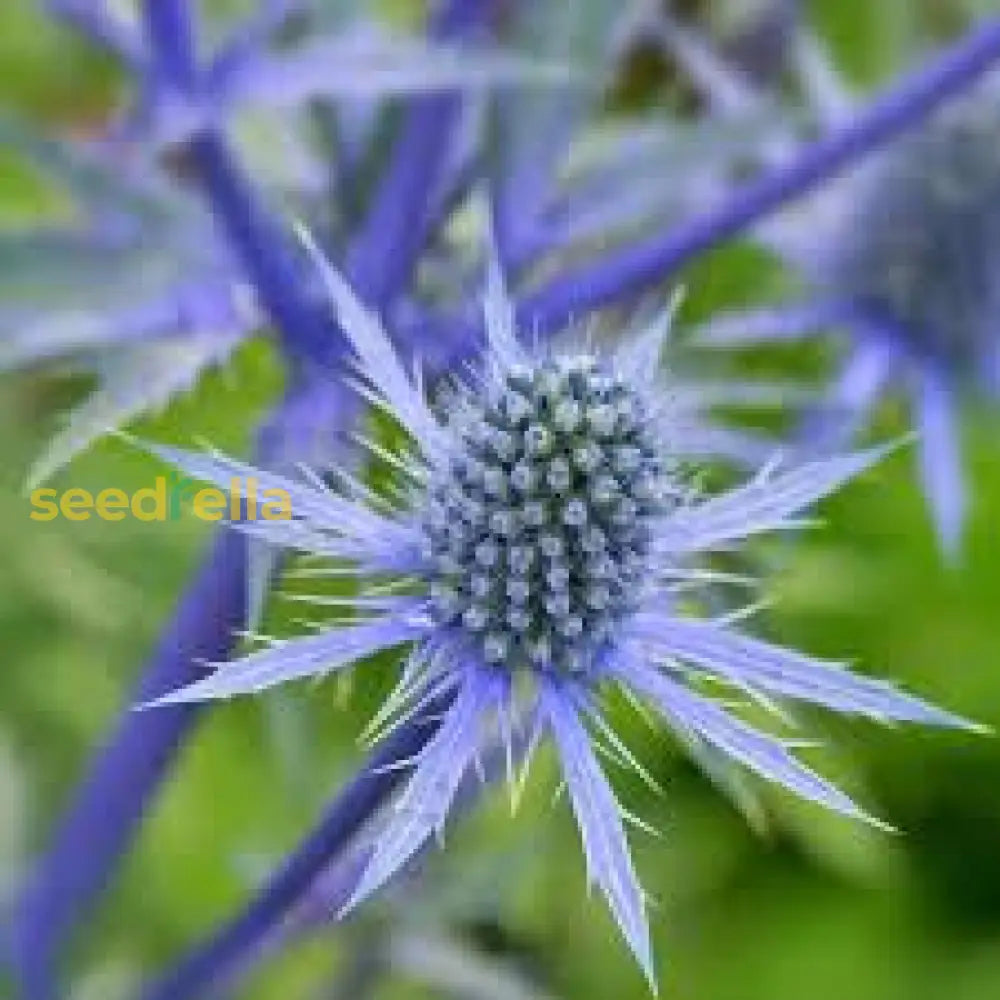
(539, 530)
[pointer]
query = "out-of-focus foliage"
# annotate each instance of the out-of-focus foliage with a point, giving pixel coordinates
(816, 906)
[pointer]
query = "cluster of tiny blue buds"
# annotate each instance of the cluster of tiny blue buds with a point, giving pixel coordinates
(925, 242)
(538, 532)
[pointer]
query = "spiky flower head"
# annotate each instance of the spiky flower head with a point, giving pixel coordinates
(920, 243)
(914, 259)
(539, 529)
(539, 550)
(903, 252)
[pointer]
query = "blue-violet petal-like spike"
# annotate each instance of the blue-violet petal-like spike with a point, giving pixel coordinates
(598, 815)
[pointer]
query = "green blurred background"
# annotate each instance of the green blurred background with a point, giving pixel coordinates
(813, 906)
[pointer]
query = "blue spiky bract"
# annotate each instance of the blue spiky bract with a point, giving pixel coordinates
(545, 530)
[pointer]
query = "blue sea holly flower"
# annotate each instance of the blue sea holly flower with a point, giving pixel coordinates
(903, 253)
(914, 261)
(538, 552)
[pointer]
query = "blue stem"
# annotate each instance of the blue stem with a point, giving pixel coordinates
(121, 780)
(262, 247)
(207, 965)
(120, 784)
(259, 242)
(170, 32)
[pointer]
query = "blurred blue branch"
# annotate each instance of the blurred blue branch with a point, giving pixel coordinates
(262, 247)
(127, 771)
(347, 815)
(170, 32)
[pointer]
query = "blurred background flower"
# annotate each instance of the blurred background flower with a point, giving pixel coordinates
(898, 255)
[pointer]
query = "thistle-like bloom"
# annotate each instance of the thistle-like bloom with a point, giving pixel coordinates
(537, 554)
(912, 263)
(917, 256)
(904, 253)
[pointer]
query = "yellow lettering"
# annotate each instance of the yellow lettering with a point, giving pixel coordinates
(277, 505)
(76, 505)
(111, 504)
(158, 495)
(43, 502)
(235, 495)
(251, 494)
(209, 504)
